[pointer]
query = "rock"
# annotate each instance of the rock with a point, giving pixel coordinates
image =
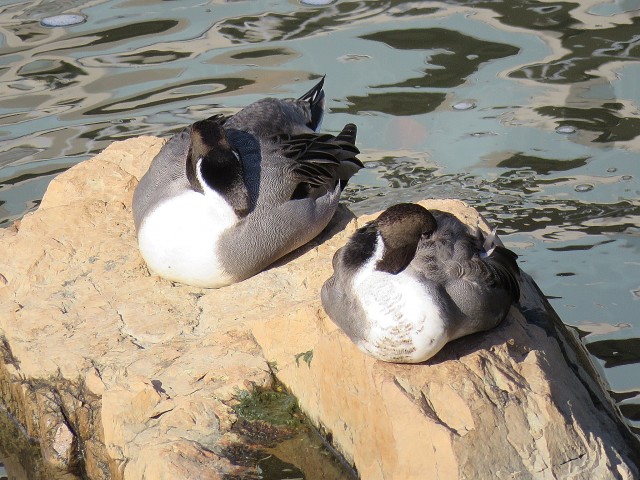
(136, 376)
(511, 401)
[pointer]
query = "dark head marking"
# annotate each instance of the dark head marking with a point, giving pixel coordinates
(208, 139)
(218, 163)
(401, 228)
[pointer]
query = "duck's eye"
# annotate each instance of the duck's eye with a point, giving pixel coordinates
(427, 235)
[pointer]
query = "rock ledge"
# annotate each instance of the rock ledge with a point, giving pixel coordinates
(127, 376)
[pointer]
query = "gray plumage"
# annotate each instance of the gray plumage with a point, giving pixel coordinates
(412, 280)
(281, 179)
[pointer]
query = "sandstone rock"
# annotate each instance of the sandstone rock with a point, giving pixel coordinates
(501, 404)
(138, 374)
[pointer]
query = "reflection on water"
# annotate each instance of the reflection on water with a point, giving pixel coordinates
(452, 57)
(606, 121)
(616, 352)
(586, 52)
(567, 203)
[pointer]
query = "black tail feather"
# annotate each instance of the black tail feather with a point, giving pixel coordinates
(348, 134)
(506, 272)
(322, 159)
(315, 97)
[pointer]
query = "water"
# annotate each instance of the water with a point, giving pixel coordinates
(528, 110)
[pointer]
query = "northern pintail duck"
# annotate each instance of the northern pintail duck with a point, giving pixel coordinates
(228, 196)
(412, 280)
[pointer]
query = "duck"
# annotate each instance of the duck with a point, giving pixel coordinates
(229, 195)
(412, 280)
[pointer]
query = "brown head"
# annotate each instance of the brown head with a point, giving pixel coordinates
(401, 227)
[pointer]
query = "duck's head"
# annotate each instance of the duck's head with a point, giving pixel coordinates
(209, 151)
(401, 228)
(214, 164)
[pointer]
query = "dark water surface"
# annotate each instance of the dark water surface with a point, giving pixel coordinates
(528, 110)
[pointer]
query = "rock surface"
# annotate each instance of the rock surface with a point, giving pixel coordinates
(125, 375)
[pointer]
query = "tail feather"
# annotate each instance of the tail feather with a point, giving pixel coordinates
(348, 134)
(315, 98)
(489, 243)
(321, 159)
(506, 273)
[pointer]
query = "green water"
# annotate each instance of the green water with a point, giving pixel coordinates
(456, 99)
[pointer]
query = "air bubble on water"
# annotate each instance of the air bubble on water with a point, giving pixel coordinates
(63, 20)
(317, 3)
(584, 187)
(464, 106)
(566, 129)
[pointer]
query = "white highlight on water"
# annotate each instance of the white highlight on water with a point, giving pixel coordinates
(464, 106)
(63, 20)
(317, 3)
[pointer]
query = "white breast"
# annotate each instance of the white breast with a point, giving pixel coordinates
(405, 324)
(179, 238)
